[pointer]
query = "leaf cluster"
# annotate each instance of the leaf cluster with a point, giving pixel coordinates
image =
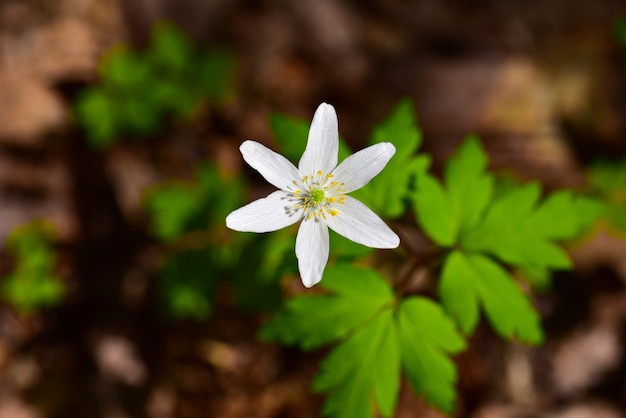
(607, 180)
(139, 90)
(485, 228)
(32, 283)
(376, 337)
(188, 217)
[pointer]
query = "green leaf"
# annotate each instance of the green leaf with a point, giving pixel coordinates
(620, 30)
(387, 192)
(95, 111)
(616, 215)
(433, 211)
(32, 284)
(363, 370)
(312, 321)
(291, 134)
(217, 72)
(564, 216)
(170, 49)
(346, 249)
(187, 285)
(538, 278)
(607, 177)
(171, 207)
(124, 71)
(468, 184)
(519, 230)
(479, 280)
(427, 336)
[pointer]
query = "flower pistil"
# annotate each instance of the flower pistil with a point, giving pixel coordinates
(316, 195)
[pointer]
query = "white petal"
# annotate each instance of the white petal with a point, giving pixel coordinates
(359, 168)
(263, 215)
(275, 168)
(358, 223)
(312, 251)
(322, 145)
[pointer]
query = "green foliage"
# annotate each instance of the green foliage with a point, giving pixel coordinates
(375, 334)
(620, 30)
(186, 285)
(388, 192)
(291, 134)
(188, 216)
(480, 223)
(607, 180)
(139, 90)
(177, 207)
(32, 284)
(469, 279)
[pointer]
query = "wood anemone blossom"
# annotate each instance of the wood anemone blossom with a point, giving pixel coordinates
(316, 194)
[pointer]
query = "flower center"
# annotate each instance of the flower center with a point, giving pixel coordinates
(316, 195)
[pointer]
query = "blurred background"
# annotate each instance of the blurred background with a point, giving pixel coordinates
(123, 294)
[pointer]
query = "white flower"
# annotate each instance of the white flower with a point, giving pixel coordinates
(315, 193)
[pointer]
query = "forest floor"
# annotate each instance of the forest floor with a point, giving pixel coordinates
(543, 83)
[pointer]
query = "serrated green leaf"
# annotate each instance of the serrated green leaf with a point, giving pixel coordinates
(427, 336)
(564, 216)
(346, 249)
(311, 321)
(399, 128)
(359, 283)
(519, 230)
(387, 192)
(362, 371)
(468, 184)
(458, 293)
(291, 135)
(506, 306)
(434, 212)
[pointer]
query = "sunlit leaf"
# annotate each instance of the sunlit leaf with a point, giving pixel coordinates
(427, 336)
(479, 281)
(374, 335)
(387, 193)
